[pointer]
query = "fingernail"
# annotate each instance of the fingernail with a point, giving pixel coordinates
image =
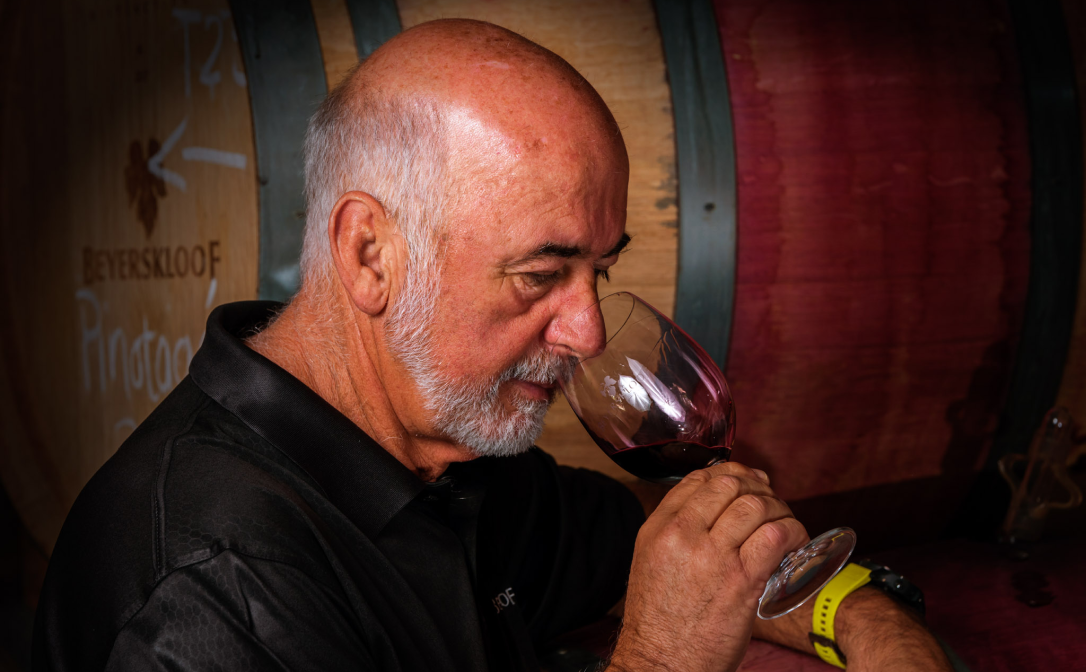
(762, 475)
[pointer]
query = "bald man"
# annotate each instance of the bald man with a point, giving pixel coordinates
(348, 481)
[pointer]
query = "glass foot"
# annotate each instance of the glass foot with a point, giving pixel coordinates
(803, 572)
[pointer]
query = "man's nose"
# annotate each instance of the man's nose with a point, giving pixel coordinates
(578, 329)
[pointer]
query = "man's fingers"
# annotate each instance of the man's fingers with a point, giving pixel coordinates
(763, 551)
(745, 515)
(705, 505)
(695, 481)
(737, 469)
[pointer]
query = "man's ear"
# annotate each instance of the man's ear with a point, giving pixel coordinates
(359, 234)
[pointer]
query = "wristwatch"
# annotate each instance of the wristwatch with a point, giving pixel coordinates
(895, 585)
(855, 575)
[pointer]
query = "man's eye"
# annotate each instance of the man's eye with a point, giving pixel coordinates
(602, 273)
(541, 279)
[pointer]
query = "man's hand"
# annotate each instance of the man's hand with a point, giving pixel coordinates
(700, 565)
(872, 630)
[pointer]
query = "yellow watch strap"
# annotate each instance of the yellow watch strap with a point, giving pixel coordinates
(851, 577)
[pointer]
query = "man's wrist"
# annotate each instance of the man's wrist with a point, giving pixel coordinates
(872, 627)
(638, 650)
(636, 653)
(629, 661)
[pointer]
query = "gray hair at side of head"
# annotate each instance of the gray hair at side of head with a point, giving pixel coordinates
(392, 148)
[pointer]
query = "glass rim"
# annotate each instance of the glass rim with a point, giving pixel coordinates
(634, 301)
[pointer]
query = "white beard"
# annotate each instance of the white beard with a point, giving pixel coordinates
(470, 413)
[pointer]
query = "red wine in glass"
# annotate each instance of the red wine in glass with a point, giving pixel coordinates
(659, 407)
(664, 461)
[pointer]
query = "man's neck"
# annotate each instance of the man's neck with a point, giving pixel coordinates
(320, 341)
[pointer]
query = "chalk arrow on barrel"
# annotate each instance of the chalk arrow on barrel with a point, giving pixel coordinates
(216, 156)
(203, 154)
(154, 164)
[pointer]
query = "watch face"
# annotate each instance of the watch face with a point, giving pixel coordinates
(895, 585)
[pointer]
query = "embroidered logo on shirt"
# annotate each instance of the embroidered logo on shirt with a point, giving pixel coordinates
(504, 599)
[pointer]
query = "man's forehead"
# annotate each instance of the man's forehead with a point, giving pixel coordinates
(564, 200)
(478, 144)
(516, 151)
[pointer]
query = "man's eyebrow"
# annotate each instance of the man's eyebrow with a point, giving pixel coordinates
(572, 251)
(619, 246)
(556, 250)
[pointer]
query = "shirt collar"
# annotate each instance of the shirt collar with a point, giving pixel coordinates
(360, 477)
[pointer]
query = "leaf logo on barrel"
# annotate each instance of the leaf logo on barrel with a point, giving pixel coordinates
(144, 188)
(145, 179)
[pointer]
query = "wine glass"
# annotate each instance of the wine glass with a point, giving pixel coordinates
(659, 407)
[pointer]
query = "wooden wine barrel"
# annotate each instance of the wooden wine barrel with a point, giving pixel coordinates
(150, 172)
(857, 252)
(883, 157)
(844, 99)
(883, 261)
(129, 200)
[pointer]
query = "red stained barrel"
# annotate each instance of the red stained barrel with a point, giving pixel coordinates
(883, 163)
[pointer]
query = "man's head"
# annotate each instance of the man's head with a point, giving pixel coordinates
(465, 188)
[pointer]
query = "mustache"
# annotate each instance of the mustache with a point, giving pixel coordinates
(542, 367)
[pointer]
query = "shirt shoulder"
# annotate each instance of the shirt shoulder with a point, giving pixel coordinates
(191, 483)
(237, 612)
(223, 487)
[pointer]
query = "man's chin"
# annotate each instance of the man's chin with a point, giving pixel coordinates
(491, 450)
(515, 436)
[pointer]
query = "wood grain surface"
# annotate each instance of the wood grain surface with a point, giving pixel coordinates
(883, 241)
(129, 210)
(337, 39)
(615, 44)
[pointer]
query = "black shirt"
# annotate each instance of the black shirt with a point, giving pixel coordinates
(247, 524)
